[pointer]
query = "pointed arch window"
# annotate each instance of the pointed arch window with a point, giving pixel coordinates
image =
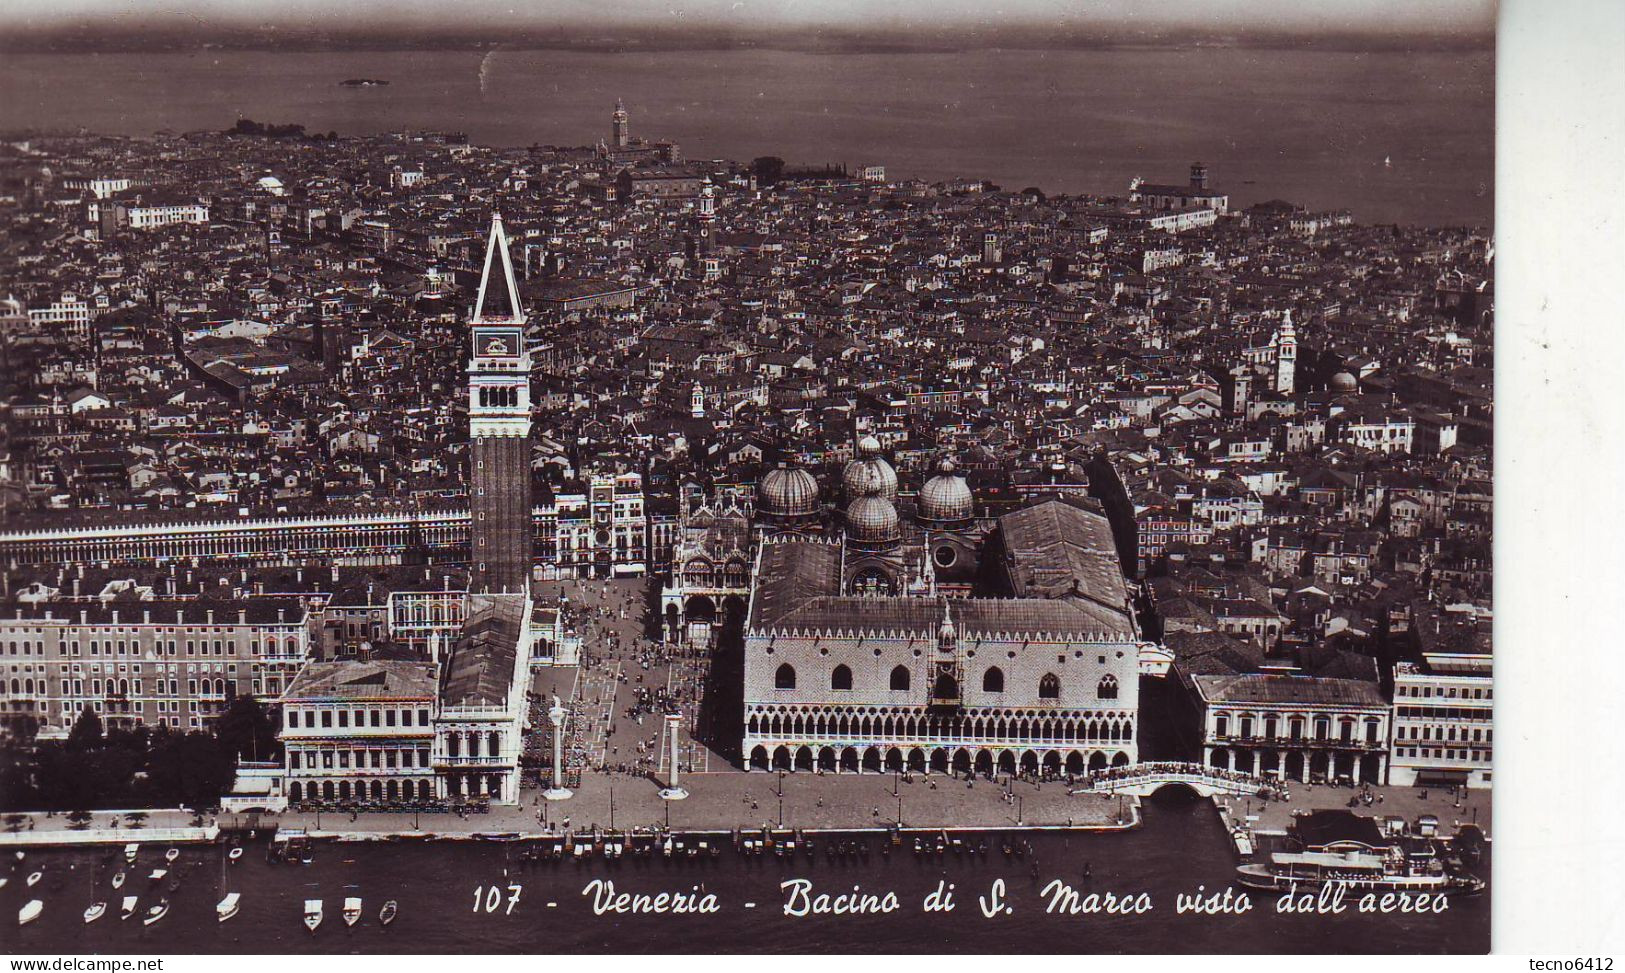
(993, 680)
(899, 678)
(1107, 688)
(1049, 687)
(785, 677)
(841, 678)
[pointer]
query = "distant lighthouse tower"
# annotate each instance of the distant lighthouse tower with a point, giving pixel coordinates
(1286, 355)
(620, 135)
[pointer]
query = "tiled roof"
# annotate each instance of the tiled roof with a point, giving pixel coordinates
(480, 671)
(1268, 688)
(352, 680)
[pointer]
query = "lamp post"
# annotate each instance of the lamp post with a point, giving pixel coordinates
(612, 807)
(899, 810)
(1020, 801)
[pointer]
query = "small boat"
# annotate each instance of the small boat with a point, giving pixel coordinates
(171, 855)
(352, 910)
(130, 851)
(21, 856)
(158, 874)
(313, 914)
(127, 907)
(3, 881)
(156, 912)
(118, 881)
(96, 911)
(386, 915)
(30, 912)
(228, 906)
(235, 853)
(33, 879)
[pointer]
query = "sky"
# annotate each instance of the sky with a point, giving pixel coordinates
(1383, 16)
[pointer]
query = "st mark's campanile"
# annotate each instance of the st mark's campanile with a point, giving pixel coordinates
(499, 431)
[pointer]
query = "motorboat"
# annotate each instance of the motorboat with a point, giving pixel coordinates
(30, 912)
(158, 874)
(33, 879)
(235, 853)
(352, 910)
(96, 911)
(313, 914)
(156, 912)
(171, 855)
(127, 907)
(130, 851)
(118, 881)
(1370, 870)
(228, 906)
(386, 915)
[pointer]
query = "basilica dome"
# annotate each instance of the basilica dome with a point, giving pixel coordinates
(946, 497)
(788, 493)
(1345, 382)
(872, 520)
(868, 465)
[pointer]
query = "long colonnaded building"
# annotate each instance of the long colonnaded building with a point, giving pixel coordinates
(941, 642)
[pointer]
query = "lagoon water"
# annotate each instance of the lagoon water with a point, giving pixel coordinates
(1181, 847)
(1394, 137)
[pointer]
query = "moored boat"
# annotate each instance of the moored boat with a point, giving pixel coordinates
(95, 911)
(156, 912)
(171, 855)
(235, 853)
(118, 881)
(352, 910)
(386, 915)
(1375, 870)
(33, 879)
(158, 874)
(127, 907)
(130, 851)
(313, 914)
(228, 906)
(30, 912)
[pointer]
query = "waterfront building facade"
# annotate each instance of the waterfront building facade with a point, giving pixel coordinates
(860, 656)
(1444, 704)
(360, 730)
(176, 664)
(1320, 726)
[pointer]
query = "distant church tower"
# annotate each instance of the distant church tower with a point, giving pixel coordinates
(704, 223)
(499, 433)
(696, 401)
(1286, 355)
(620, 135)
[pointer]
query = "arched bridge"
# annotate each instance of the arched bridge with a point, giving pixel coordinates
(1147, 778)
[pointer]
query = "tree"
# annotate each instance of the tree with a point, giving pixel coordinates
(769, 169)
(246, 731)
(86, 733)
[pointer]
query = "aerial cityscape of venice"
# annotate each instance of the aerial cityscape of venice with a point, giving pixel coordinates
(556, 545)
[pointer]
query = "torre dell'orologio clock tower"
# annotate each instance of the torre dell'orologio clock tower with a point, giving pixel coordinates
(499, 433)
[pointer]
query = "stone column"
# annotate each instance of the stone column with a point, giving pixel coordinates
(674, 791)
(558, 791)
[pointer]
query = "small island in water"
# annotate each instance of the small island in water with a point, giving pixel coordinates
(363, 83)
